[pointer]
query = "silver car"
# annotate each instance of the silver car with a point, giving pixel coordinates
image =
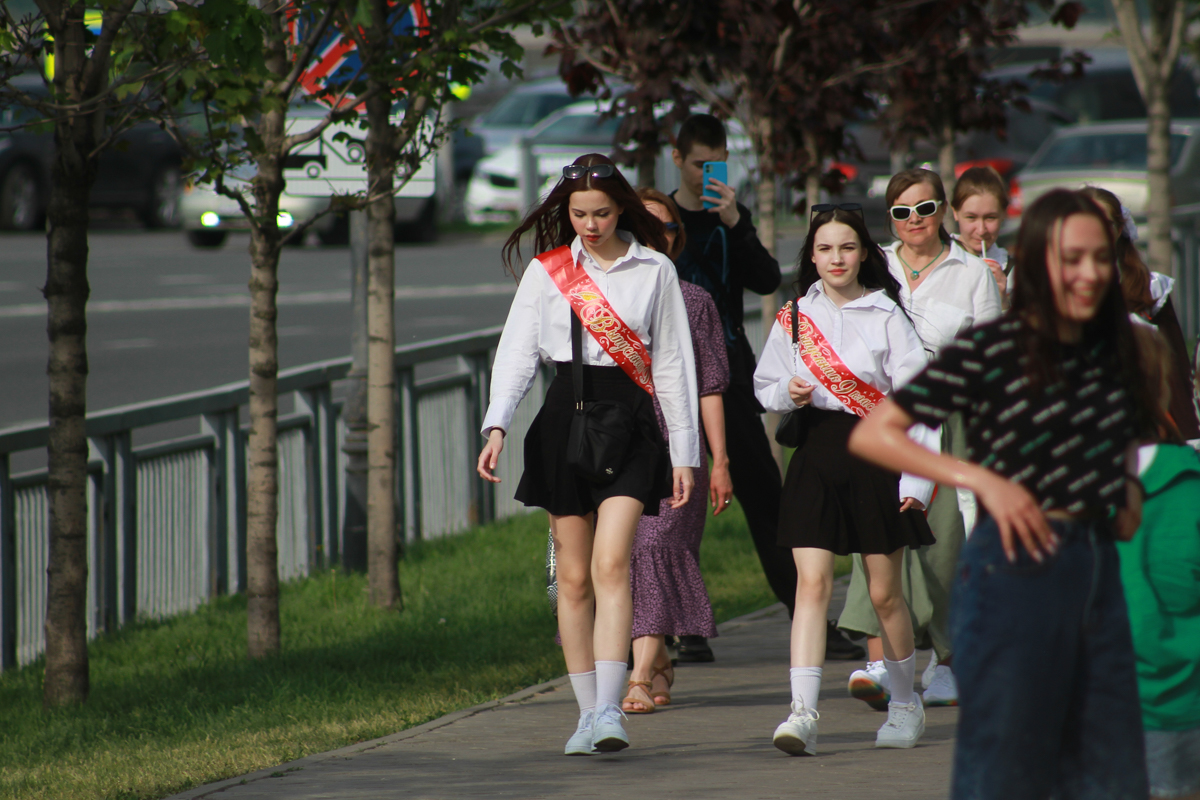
(1111, 155)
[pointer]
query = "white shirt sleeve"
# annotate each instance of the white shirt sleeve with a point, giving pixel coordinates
(673, 368)
(517, 354)
(985, 300)
(775, 370)
(906, 357)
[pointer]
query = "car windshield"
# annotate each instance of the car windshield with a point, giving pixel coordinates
(1103, 151)
(580, 129)
(523, 109)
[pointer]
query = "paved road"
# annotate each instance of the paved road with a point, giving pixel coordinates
(714, 741)
(166, 318)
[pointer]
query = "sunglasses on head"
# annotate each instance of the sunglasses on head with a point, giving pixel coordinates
(924, 209)
(671, 226)
(821, 208)
(576, 171)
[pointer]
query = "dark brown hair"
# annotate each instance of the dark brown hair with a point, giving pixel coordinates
(1135, 275)
(1157, 364)
(873, 272)
(980, 180)
(1033, 303)
(903, 180)
(702, 129)
(551, 221)
(651, 195)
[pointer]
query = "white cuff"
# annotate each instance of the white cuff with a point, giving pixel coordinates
(499, 414)
(685, 448)
(916, 488)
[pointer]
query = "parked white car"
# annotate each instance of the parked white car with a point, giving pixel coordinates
(494, 193)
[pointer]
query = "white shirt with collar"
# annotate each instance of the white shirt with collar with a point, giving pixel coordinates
(643, 289)
(874, 340)
(958, 294)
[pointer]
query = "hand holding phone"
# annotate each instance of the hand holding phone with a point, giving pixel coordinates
(713, 169)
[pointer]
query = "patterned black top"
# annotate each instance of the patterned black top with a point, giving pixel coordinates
(1065, 443)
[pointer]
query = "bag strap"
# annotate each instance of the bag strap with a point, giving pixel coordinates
(795, 321)
(577, 359)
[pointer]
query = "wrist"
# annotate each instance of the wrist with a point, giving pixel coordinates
(720, 462)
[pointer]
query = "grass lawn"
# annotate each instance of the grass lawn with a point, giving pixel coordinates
(176, 704)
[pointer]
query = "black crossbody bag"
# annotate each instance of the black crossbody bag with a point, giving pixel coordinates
(601, 430)
(792, 427)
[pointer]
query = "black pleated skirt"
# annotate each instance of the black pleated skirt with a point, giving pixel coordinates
(836, 501)
(550, 484)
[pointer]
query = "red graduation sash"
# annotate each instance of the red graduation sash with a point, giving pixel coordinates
(598, 317)
(827, 366)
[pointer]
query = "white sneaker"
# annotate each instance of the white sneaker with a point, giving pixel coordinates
(871, 685)
(927, 675)
(797, 735)
(580, 743)
(904, 726)
(608, 735)
(943, 689)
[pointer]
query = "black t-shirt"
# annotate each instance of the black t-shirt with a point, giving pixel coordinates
(1065, 442)
(725, 270)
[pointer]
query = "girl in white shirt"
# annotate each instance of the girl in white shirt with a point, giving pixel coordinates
(945, 291)
(595, 212)
(980, 204)
(855, 346)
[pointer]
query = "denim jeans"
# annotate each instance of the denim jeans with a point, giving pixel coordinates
(1048, 702)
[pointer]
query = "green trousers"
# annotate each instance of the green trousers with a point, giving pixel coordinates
(927, 574)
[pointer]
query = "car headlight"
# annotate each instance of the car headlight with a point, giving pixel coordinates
(210, 219)
(284, 220)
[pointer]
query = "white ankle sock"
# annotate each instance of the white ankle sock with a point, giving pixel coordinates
(610, 683)
(900, 676)
(584, 686)
(806, 685)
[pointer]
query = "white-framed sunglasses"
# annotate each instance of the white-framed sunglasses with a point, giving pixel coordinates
(926, 208)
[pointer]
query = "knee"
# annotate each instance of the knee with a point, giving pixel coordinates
(886, 598)
(813, 589)
(574, 585)
(610, 570)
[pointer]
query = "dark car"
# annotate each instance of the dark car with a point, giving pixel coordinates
(140, 171)
(866, 180)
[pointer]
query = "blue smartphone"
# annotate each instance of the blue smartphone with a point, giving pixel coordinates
(718, 170)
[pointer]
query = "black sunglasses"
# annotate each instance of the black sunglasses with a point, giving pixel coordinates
(821, 208)
(576, 171)
(671, 226)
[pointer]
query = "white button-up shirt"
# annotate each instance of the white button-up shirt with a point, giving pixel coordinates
(958, 294)
(643, 289)
(875, 341)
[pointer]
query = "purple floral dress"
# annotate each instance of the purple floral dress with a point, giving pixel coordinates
(668, 592)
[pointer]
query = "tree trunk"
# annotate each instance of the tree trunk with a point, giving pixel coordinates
(766, 234)
(382, 569)
(946, 163)
(647, 167)
(1158, 177)
(354, 408)
(74, 169)
(262, 447)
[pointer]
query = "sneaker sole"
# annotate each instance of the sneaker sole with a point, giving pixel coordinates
(579, 752)
(936, 702)
(610, 745)
(792, 745)
(900, 744)
(871, 693)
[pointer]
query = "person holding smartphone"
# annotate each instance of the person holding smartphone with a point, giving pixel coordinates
(725, 257)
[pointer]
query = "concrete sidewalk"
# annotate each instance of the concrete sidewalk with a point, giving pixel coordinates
(713, 741)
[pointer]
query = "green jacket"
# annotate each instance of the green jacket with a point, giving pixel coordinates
(1160, 569)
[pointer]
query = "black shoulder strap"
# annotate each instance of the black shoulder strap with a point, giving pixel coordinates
(577, 359)
(795, 320)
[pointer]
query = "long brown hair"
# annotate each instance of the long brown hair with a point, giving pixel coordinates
(1033, 303)
(651, 195)
(1135, 275)
(905, 179)
(551, 221)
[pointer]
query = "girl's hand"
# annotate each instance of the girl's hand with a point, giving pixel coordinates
(997, 272)
(720, 486)
(491, 453)
(682, 483)
(1017, 515)
(800, 391)
(911, 502)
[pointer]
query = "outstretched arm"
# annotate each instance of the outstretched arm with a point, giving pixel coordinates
(882, 438)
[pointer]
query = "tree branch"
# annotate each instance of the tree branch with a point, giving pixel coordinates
(1131, 31)
(306, 51)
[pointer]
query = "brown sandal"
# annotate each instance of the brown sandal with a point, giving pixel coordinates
(655, 672)
(648, 705)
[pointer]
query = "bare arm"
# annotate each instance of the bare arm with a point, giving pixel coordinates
(882, 438)
(720, 485)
